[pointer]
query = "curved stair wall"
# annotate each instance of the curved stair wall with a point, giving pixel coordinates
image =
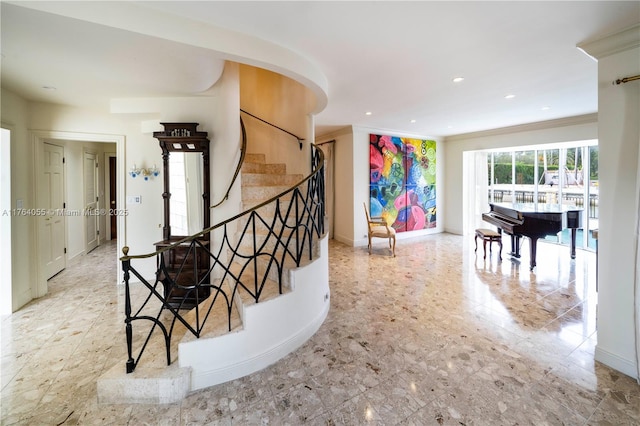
(275, 287)
(268, 332)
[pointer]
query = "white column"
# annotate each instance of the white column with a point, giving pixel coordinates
(619, 135)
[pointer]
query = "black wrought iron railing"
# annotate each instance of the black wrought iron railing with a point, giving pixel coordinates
(528, 197)
(254, 251)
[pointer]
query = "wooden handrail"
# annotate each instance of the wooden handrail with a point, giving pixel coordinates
(299, 139)
(243, 151)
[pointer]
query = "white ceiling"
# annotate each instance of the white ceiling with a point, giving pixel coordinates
(394, 59)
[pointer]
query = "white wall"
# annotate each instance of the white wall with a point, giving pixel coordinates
(352, 183)
(216, 116)
(14, 117)
(225, 148)
(5, 222)
(142, 226)
(21, 116)
(555, 131)
(619, 134)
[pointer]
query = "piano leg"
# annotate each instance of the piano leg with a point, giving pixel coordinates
(515, 246)
(573, 242)
(533, 244)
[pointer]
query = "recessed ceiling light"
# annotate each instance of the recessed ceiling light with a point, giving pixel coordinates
(49, 88)
(368, 113)
(458, 79)
(545, 108)
(510, 96)
(413, 121)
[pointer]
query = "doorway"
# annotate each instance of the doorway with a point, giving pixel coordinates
(113, 205)
(91, 199)
(39, 139)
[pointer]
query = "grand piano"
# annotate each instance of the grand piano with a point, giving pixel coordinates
(534, 221)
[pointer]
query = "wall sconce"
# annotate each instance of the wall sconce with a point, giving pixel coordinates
(145, 172)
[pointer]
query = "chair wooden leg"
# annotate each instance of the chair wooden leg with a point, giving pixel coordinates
(393, 250)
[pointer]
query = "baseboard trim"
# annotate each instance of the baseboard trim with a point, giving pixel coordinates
(616, 362)
(248, 366)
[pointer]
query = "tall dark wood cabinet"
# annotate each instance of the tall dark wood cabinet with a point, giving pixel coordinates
(187, 264)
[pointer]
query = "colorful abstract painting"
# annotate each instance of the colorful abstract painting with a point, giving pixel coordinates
(403, 181)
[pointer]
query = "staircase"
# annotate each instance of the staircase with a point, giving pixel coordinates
(262, 332)
(260, 182)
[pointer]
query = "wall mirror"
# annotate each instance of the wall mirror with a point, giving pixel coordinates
(185, 161)
(185, 186)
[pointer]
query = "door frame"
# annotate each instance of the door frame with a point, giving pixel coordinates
(6, 280)
(38, 138)
(87, 217)
(107, 191)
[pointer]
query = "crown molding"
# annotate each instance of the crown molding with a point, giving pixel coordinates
(626, 39)
(539, 125)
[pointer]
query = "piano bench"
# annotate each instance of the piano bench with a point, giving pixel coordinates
(488, 235)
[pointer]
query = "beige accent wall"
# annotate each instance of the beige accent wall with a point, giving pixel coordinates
(284, 103)
(343, 226)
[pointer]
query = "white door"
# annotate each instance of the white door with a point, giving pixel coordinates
(51, 210)
(91, 201)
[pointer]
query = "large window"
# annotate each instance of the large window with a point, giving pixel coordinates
(565, 175)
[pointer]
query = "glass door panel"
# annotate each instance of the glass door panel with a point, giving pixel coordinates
(567, 176)
(525, 180)
(503, 176)
(591, 208)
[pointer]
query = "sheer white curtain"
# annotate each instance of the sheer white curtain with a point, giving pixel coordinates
(476, 188)
(328, 150)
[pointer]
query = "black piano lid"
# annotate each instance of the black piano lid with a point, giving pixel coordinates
(537, 208)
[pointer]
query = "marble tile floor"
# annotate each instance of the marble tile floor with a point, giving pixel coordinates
(434, 336)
